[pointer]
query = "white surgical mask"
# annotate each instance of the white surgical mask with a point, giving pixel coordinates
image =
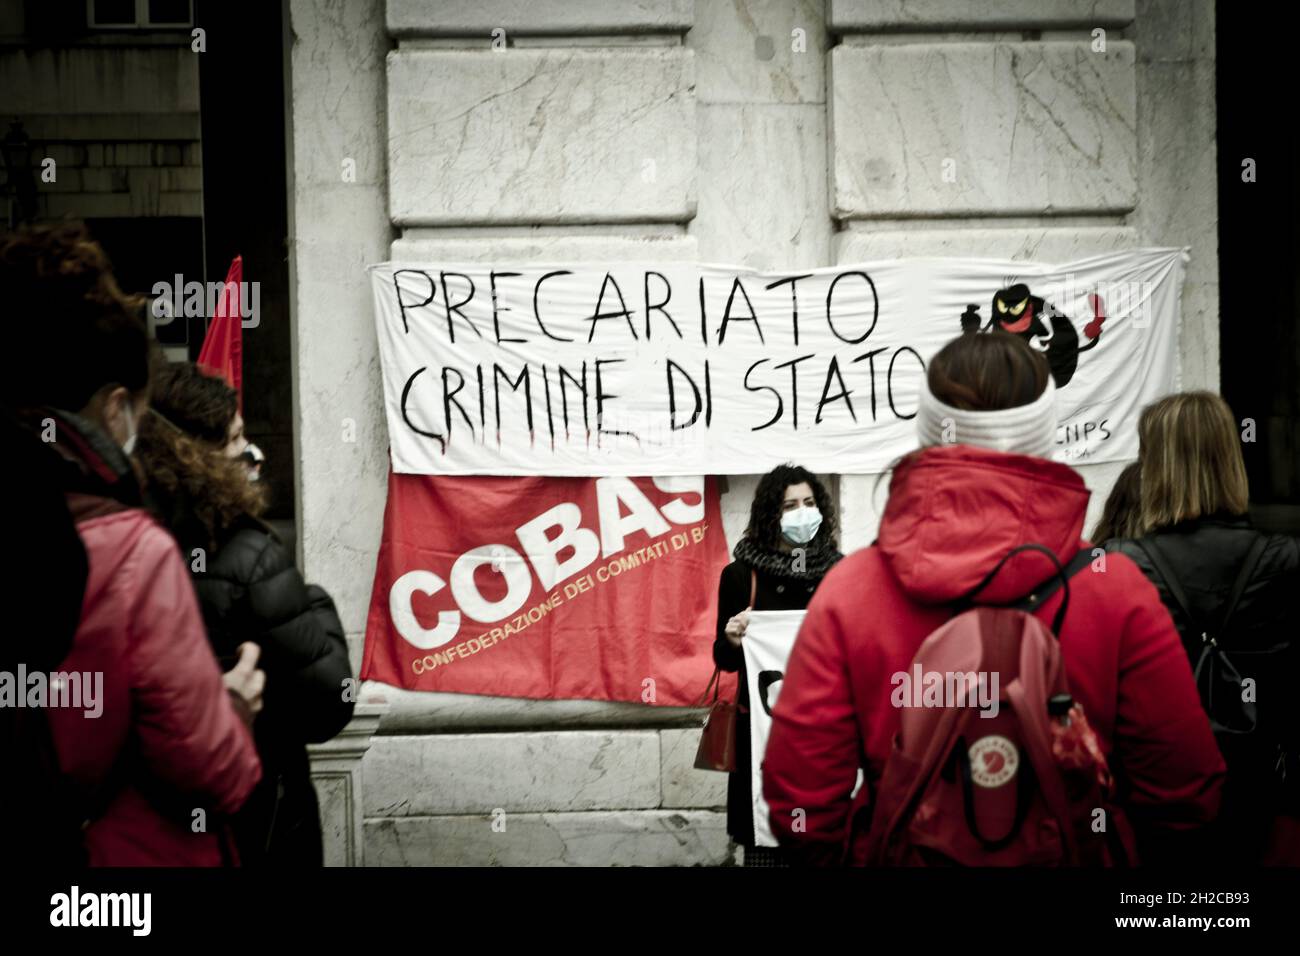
(128, 446)
(252, 458)
(800, 525)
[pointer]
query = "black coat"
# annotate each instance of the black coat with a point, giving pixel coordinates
(250, 590)
(51, 576)
(774, 593)
(48, 581)
(1205, 555)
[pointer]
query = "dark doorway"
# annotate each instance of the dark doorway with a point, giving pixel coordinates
(1259, 258)
(147, 250)
(245, 211)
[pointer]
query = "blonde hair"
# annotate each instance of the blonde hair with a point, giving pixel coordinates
(1191, 460)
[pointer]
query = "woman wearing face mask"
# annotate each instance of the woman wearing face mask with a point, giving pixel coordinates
(237, 446)
(788, 546)
(192, 448)
(166, 737)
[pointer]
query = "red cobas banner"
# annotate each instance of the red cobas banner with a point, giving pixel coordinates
(596, 589)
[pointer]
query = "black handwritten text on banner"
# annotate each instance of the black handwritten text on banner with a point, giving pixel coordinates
(683, 369)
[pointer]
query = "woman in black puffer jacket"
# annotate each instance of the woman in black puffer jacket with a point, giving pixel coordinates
(190, 446)
(1194, 541)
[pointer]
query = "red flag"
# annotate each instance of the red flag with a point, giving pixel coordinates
(222, 354)
(561, 588)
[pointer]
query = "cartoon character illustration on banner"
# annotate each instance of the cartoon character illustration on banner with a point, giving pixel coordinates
(1017, 311)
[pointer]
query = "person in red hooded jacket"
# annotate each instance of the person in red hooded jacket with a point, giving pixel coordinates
(981, 485)
(158, 750)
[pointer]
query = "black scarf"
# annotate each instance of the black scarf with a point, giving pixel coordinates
(818, 558)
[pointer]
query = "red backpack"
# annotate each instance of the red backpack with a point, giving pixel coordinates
(999, 766)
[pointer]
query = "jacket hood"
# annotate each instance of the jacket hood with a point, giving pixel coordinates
(955, 511)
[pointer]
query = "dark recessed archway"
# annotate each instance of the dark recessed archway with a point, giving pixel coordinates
(245, 211)
(1259, 257)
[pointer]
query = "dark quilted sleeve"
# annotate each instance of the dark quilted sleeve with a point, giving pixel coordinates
(304, 652)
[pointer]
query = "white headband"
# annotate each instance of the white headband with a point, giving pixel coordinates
(1024, 430)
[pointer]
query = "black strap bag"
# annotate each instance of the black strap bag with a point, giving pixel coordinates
(1221, 684)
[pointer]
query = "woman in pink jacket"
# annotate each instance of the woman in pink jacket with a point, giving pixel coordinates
(154, 760)
(981, 485)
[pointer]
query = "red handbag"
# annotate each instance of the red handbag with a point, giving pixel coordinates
(717, 750)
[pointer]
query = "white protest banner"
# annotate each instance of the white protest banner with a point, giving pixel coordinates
(768, 641)
(686, 369)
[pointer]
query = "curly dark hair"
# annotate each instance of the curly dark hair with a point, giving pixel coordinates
(180, 449)
(764, 527)
(73, 329)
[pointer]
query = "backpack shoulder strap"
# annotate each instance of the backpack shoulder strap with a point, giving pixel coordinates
(1158, 561)
(1053, 584)
(967, 601)
(1247, 572)
(1059, 579)
(1040, 594)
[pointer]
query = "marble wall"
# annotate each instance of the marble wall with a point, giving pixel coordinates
(775, 134)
